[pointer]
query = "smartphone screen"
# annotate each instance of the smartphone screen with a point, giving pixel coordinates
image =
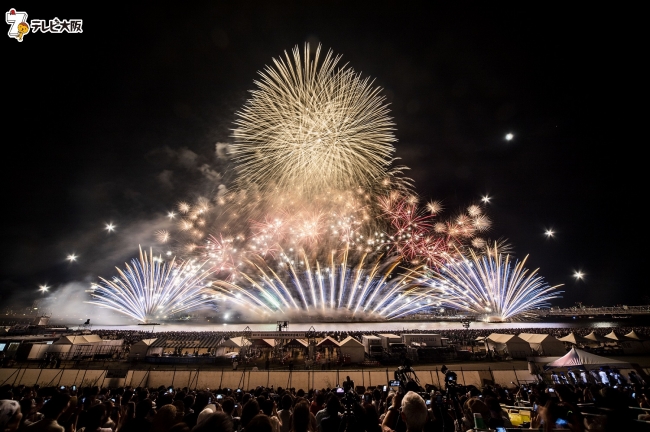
(394, 383)
(74, 388)
(428, 401)
(385, 389)
(501, 429)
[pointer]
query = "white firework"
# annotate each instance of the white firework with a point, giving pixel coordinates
(311, 126)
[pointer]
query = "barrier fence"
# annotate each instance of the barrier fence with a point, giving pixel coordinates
(247, 378)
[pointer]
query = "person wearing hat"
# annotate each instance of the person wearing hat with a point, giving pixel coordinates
(10, 415)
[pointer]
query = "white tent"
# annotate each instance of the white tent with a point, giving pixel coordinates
(597, 338)
(574, 339)
(507, 344)
(232, 345)
(71, 340)
(544, 344)
(578, 357)
(354, 349)
(93, 338)
(140, 350)
(633, 335)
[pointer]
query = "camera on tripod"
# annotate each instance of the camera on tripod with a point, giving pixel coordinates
(349, 399)
(451, 379)
(407, 378)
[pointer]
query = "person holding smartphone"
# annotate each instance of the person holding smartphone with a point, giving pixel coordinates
(498, 417)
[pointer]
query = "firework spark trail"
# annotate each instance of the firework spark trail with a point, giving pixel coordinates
(490, 285)
(150, 288)
(310, 126)
(416, 236)
(368, 288)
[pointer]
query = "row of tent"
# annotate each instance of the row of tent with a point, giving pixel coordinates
(220, 346)
(528, 344)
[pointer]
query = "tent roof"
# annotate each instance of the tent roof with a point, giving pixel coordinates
(328, 341)
(633, 335)
(612, 335)
(235, 342)
(297, 343)
(596, 337)
(534, 337)
(501, 338)
(350, 341)
(573, 338)
(93, 338)
(577, 357)
(263, 342)
(389, 335)
(71, 340)
(147, 342)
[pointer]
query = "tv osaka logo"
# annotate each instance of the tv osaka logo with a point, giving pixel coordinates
(18, 25)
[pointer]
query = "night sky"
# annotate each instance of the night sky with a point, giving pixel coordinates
(119, 123)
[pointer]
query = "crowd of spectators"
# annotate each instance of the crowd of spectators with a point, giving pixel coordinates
(576, 406)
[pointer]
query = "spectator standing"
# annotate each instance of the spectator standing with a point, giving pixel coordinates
(414, 412)
(51, 411)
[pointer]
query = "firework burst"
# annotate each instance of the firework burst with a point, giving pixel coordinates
(312, 125)
(150, 288)
(336, 290)
(490, 285)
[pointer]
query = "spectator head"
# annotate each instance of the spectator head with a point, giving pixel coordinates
(144, 408)
(414, 411)
(188, 401)
(260, 423)
(250, 410)
(301, 416)
(95, 417)
(333, 405)
(267, 407)
(10, 415)
(228, 405)
(56, 405)
(164, 419)
(286, 401)
(201, 401)
(218, 421)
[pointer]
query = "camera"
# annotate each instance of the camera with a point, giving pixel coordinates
(350, 398)
(406, 379)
